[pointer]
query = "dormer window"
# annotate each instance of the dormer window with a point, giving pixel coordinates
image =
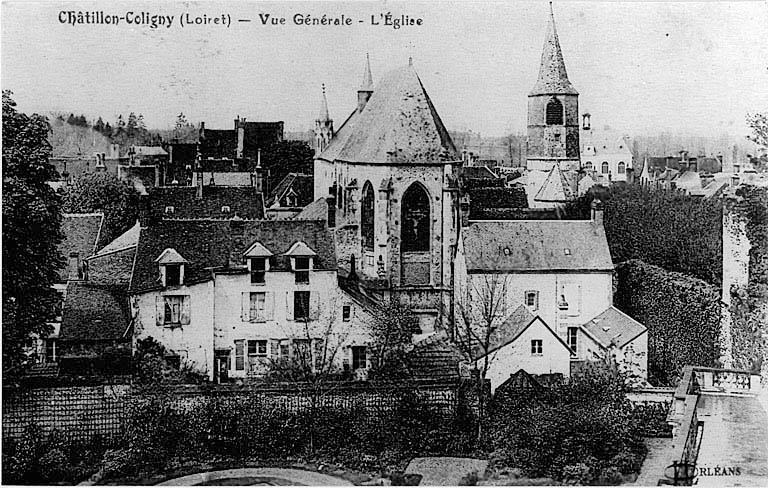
(172, 266)
(301, 261)
(257, 257)
(169, 210)
(225, 209)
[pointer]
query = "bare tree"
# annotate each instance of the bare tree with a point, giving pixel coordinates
(392, 327)
(480, 312)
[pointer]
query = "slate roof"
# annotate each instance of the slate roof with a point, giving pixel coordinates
(244, 201)
(536, 246)
(82, 233)
(553, 78)
(302, 186)
(208, 244)
(477, 172)
(508, 332)
(127, 240)
(94, 313)
(614, 327)
(149, 151)
(556, 188)
(399, 124)
(317, 210)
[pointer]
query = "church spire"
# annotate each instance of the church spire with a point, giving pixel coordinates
(366, 87)
(553, 78)
(323, 116)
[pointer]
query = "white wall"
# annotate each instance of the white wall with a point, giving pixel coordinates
(193, 342)
(555, 357)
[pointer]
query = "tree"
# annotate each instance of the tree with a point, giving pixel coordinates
(99, 126)
(481, 310)
(759, 124)
(286, 157)
(105, 192)
(31, 232)
(391, 330)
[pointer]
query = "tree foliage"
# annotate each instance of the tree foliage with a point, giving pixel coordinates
(286, 157)
(580, 432)
(31, 232)
(759, 124)
(669, 229)
(104, 192)
(391, 330)
(749, 304)
(682, 315)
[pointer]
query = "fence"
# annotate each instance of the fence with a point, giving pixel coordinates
(84, 413)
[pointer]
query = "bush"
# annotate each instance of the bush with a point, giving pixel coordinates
(570, 432)
(54, 465)
(682, 315)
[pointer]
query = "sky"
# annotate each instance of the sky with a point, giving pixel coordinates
(640, 67)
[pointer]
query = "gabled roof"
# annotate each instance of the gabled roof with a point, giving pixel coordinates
(508, 332)
(244, 201)
(257, 250)
(553, 78)
(399, 124)
(149, 151)
(536, 246)
(170, 256)
(614, 328)
(300, 249)
(127, 240)
(210, 245)
(477, 172)
(300, 184)
(94, 313)
(81, 235)
(556, 188)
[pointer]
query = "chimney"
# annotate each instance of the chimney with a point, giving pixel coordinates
(240, 126)
(199, 194)
(145, 211)
(597, 211)
(331, 201)
(464, 210)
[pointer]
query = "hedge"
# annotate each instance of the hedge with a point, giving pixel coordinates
(666, 228)
(682, 315)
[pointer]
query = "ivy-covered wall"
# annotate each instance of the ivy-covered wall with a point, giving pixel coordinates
(666, 228)
(682, 315)
(749, 302)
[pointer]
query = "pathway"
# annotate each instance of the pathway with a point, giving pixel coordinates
(258, 476)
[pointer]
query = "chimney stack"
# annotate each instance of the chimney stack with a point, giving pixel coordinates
(464, 210)
(240, 126)
(597, 211)
(199, 193)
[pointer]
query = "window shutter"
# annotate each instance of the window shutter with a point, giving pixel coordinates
(185, 310)
(159, 310)
(289, 304)
(274, 349)
(269, 305)
(314, 305)
(245, 310)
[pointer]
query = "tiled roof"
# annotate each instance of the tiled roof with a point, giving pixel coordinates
(614, 327)
(435, 358)
(553, 78)
(317, 210)
(93, 313)
(149, 151)
(207, 244)
(556, 188)
(399, 124)
(82, 233)
(536, 245)
(128, 239)
(301, 185)
(244, 201)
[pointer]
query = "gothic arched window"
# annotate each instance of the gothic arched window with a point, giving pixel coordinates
(588, 166)
(605, 167)
(367, 216)
(416, 222)
(622, 168)
(554, 112)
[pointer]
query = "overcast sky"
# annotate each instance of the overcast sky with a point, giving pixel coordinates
(639, 67)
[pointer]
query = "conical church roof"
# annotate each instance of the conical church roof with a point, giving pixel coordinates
(556, 187)
(398, 125)
(553, 78)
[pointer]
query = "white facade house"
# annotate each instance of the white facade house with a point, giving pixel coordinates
(606, 154)
(560, 273)
(229, 298)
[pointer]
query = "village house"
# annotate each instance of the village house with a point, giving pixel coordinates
(230, 297)
(606, 156)
(289, 196)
